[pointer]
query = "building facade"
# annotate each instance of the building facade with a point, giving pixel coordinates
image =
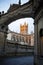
(23, 37)
(26, 39)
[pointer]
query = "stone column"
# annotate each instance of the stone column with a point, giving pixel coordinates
(1, 42)
(4, 47)
(3, 36)
(35, 42)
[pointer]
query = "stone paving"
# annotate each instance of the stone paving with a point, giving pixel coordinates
(28, 60)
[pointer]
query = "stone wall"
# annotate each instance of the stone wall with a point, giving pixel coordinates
(38, 47)
(40, 44)
(15, 48)
(1, 42)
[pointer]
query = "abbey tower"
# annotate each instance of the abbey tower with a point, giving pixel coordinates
(24, 28)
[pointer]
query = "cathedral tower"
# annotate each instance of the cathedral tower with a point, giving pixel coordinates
(24, 28)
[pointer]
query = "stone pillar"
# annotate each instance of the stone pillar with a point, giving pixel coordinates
(38, 25)
(3, 36)
(35, 42)
(40, 43)
(1, 42)
(4, 46)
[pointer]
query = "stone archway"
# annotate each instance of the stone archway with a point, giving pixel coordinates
(35, 12)
(22, 12)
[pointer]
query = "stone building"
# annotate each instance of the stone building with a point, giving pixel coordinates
(33, 9)
(23, 37)
(27, 39)
(24, 28)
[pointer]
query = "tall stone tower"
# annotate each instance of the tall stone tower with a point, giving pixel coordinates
(24, 28)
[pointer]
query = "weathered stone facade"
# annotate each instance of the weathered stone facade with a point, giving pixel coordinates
(38, 39)
(27, 39)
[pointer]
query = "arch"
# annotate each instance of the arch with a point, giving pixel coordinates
(23, 25)
(22, 12)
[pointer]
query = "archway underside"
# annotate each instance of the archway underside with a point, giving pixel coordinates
(22, 12)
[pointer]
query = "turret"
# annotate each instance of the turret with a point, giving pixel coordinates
(19, 2)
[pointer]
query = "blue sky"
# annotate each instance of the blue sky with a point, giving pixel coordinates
(4, 6)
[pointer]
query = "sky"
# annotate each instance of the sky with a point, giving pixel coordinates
(5, 4)
(15, 25)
